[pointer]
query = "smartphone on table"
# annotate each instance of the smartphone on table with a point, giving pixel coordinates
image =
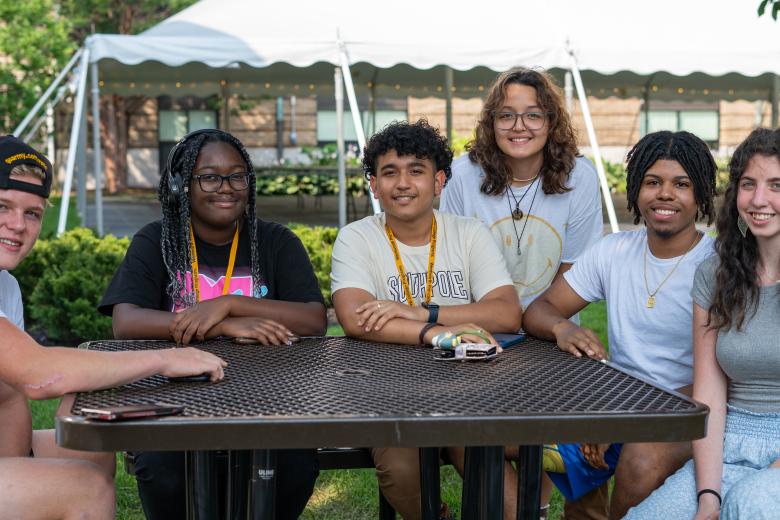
(137, 411)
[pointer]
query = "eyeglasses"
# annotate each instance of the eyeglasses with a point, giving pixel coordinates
(531, 120)
(211, 182)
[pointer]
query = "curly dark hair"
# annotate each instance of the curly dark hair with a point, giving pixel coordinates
(736, 278)
(689, 151)
(419, 139)
(175, 240)
(560, 150)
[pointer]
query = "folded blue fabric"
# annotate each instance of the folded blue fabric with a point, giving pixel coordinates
(580, 477)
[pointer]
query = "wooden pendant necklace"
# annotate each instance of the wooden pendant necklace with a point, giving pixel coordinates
(651, 295)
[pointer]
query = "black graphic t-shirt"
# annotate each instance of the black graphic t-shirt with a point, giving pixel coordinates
(286, 272)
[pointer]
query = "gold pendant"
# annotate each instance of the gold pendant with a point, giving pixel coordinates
(651, 302)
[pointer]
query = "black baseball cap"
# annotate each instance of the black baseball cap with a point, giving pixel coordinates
(13, 152)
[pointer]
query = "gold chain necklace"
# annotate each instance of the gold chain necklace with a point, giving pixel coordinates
(651, 295)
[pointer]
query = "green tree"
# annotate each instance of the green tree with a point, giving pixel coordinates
(773, 4)
(116, 17)
(38, 36)
(34, 46)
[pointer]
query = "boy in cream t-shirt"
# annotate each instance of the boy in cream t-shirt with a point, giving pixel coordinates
(411, 273)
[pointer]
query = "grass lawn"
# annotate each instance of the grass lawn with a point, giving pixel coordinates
(52, 216)
(339, 495)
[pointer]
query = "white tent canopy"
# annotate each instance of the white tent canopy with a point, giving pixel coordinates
(666, 49)
(719, 45)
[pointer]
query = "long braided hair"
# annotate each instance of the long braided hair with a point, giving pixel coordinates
(560, 150)
(736, 278)
(689, 151)
(175, 240)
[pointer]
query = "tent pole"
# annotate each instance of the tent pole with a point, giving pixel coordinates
(582, 96)
(448, 84)
(568, 91)
(775, 97)
(353, 108)
(50, 132)
(339, 91)
(34, 110)
(81, 167)
(70, 165)
(96, 149)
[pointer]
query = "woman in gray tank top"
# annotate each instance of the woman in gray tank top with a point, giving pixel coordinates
(735, 471)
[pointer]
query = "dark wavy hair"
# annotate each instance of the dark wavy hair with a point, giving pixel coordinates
(175, 241)
(560, 150)
(689, 151)
(736, 278)
(419, 139)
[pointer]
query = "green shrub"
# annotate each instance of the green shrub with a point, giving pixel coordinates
(286, 182)
(65, 278)
(318, 242)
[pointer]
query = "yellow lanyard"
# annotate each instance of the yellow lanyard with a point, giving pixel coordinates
(402, 272)
(228, 273)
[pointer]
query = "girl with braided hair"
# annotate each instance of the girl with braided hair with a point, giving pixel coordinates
(645, 276)
(211, 268)
(735, 471)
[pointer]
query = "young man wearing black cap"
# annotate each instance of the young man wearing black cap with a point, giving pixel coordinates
(55, 483)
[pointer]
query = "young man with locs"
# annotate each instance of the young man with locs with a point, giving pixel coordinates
(645, 276)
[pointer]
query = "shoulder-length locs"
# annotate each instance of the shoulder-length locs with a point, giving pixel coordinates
(560, 151)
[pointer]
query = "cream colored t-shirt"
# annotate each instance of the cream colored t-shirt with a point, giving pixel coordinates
(468, 263)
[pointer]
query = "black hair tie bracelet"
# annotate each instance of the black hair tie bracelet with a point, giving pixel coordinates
(711, 492)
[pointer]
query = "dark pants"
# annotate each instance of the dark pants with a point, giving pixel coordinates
(161, 483)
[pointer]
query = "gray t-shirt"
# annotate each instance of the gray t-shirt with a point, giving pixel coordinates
(750, 358)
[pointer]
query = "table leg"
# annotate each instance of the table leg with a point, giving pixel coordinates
(430, 491)
(483, 483)
(529, 482)
(263, 498)
(238, 484)
(201, 486)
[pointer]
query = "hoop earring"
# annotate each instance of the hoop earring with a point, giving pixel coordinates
(742, 226)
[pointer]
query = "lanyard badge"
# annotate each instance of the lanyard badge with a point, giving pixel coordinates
(399, 264)
(228, 273)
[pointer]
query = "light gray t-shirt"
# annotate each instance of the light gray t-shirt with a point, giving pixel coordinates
(11, 300)
(750, 358)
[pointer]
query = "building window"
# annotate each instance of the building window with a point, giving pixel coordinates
(702, 120)
(327, 129)
(175, 124)
(374, 117)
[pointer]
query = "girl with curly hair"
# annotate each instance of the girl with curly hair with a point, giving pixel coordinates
(735, 471)
(524, 178)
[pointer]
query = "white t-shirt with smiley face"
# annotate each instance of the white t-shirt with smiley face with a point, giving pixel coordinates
(558, 228)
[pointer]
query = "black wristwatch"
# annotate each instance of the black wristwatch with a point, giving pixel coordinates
(433, 311)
